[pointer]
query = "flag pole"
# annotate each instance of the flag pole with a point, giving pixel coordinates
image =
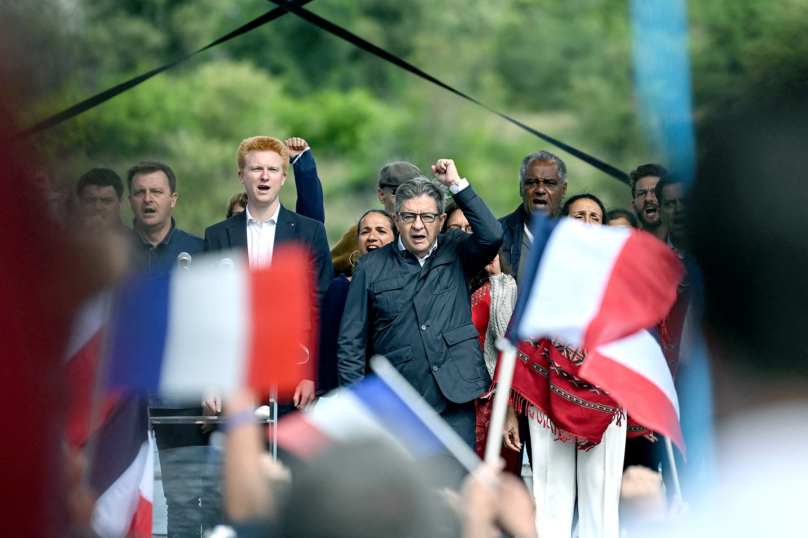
(674, 473)
(502, 392)
(431, 419)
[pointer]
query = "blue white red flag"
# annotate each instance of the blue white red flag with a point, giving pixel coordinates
(634, 372)
(383, 406)
(122, 471)
(593, 285)
(218, 327)
(600, 288)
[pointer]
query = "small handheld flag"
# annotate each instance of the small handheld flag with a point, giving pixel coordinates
(382, 406)
(591, 287)
(210, 327)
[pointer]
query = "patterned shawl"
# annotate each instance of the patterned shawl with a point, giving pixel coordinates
(546, 378)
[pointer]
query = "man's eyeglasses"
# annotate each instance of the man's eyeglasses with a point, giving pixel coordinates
(426, 218)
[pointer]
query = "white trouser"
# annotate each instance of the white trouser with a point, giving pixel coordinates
(559, 469)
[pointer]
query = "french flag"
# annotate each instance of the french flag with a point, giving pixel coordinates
(121, 457)
(122, 471)
(382, 406)
(217, 325)
(634, 372)
(600, 288)
(593, 285)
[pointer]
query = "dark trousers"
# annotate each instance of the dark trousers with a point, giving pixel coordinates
(190, 479)
(445, 470)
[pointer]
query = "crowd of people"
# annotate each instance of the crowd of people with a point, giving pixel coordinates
(430, 282)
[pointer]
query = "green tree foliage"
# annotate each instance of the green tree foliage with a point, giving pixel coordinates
(561, 67)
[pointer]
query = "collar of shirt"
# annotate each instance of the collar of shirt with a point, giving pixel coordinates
(420, 259)
(166, 240)
(273, 219)
(529, 235)
(261, 238)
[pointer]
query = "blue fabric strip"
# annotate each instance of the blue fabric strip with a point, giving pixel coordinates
(138, 329)
(542, 227)
(397, 417)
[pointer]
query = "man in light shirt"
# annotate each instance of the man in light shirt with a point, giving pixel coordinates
(262, 165)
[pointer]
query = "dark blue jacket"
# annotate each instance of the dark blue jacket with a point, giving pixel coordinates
(420, 317)
(309, 189)
(513, 229)
(231, 234)
(332, 308)
(159, 260)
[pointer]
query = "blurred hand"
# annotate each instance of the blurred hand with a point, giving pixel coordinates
(296, 146)
(446, 172)
(641, 497)
(304, 394)
(211, 407)
(243, 399)
(480, 510)
(496, 499)
(510, 433)
(515, 509)
(493, 268)
(651, 437)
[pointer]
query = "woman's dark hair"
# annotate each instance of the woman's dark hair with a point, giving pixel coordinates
(380, 212)
(565, 209)
(479, 280)
(451, 207)
(620, 213)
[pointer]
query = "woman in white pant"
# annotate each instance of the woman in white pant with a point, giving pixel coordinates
(577, 441)
(577, 432)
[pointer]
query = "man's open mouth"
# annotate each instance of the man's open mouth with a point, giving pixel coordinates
(372, 247)
(418, 237)
(650, 210)
(149, 211)
(263, 188)
(539, 203)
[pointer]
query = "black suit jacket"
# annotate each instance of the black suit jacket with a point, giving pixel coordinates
(231, 234)
(420, 317)
(513, 229)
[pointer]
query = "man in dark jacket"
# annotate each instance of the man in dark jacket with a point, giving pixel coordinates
(410, 301)
(158, 241)
(264, 224)
(542, 186)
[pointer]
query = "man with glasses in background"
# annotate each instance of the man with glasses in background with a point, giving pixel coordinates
(409, 300)
(644, 200)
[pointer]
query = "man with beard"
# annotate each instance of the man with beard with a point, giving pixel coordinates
(542, 186)
(644, 200)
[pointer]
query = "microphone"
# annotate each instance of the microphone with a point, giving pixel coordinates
(226, 265)
(184, 261)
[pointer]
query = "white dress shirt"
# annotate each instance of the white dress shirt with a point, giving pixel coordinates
(261, 238)
(528, 234)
